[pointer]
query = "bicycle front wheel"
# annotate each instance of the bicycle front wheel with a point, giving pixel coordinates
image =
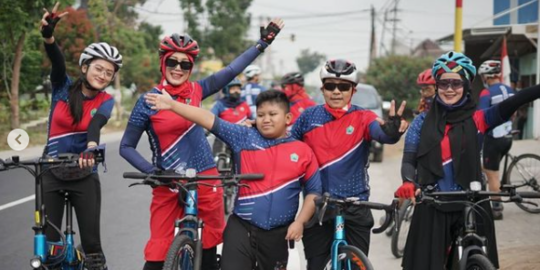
(350, 258)
(524, 173)
(479, 262)
(399, 235)
(181, 254)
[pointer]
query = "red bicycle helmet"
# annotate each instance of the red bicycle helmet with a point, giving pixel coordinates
(179, 43)
(425, 78)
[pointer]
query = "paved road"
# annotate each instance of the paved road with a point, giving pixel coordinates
(125, 216)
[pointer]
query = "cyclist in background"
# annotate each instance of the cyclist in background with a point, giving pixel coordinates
(293, 86)
(427, 90)
(230, 108)
(178, 144)
(252, 87)
(497, 141)
(340, 135)
(79, 110)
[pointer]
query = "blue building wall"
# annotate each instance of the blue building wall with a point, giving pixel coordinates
(527, 14)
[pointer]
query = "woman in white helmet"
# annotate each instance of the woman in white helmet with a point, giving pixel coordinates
(252, 88)
(79, 110)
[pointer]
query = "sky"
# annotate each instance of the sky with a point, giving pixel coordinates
(337, 28)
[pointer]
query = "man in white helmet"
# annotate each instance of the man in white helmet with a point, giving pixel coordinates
(252, 88)
(498, 141)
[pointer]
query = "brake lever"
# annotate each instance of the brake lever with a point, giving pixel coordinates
(323, 210)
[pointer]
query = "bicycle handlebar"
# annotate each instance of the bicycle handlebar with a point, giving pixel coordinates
(390, 209)
(14, 161)
(157, 179)
(137, 175)
(507, 191)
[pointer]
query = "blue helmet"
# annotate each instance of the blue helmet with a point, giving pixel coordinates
(234, 82)
(454, 62)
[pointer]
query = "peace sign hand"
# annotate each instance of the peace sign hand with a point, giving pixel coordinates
(395, 126)
(49, 21)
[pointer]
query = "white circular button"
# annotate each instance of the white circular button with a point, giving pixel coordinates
(18, 139)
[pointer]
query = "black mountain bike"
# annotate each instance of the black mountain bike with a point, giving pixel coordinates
(523, 173)
(471, 247)
(64, 254)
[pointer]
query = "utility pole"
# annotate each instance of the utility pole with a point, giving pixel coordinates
(382, 34)
(372, 44)
(394, 27)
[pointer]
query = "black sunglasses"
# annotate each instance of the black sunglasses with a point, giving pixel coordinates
(445, 84)
(184, 65)
(342, 87)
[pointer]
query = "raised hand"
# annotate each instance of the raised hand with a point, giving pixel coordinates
(269, 33)
(49, 21)
(161, 101)
(395, 125)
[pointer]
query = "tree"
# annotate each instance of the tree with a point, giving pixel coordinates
(309, 61)
(192, 10)
(19, 17)
(229, 22)
(395, 77)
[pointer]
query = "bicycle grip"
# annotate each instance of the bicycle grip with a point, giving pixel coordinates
(251, 176)
(529, 194)
(135, 175)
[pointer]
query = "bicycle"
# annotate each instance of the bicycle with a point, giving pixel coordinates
(343, 255)
(524, 173)
(472, 251)
(185, 251)
(225, 165)
(47, 254)
(400, 230)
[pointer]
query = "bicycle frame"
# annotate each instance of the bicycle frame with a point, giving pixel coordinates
(469, 236)
(339, 240)
(190, 224)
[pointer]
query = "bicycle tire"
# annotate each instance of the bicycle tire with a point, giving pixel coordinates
(479, 262)
(525, 170)
(404, 218)
(181, 251)
(359, 260)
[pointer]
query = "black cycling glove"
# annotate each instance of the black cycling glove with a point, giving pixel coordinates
(269, 33)
(48, 30)
(391, 127)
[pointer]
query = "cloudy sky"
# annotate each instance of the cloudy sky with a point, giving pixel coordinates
(338, 28)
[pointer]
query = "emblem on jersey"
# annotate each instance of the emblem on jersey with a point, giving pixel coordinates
(350, 130)
(301, 110)
(188, 101)
(294, 157)
(242, 109)
(93, 112)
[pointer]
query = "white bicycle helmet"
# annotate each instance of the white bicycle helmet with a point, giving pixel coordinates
(339, 69)
(103, 51)
(251, 71)
(490, 67)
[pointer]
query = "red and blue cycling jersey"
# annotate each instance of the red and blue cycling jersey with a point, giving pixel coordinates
(341, 147)
(63, 135)
(177, 143)
(289, 167)
(299, 106)
(493, 95)
(236, 114)
(483, 119)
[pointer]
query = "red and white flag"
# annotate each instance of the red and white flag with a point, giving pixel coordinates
(505, 64)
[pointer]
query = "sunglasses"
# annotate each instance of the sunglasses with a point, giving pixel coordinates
(342, 87)
(445, 84)
(173, 63)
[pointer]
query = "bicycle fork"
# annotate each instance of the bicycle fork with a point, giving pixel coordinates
(191, 226)
(339, 240)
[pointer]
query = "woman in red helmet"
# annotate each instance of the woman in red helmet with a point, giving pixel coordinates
(427, 90)
(178, 144)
